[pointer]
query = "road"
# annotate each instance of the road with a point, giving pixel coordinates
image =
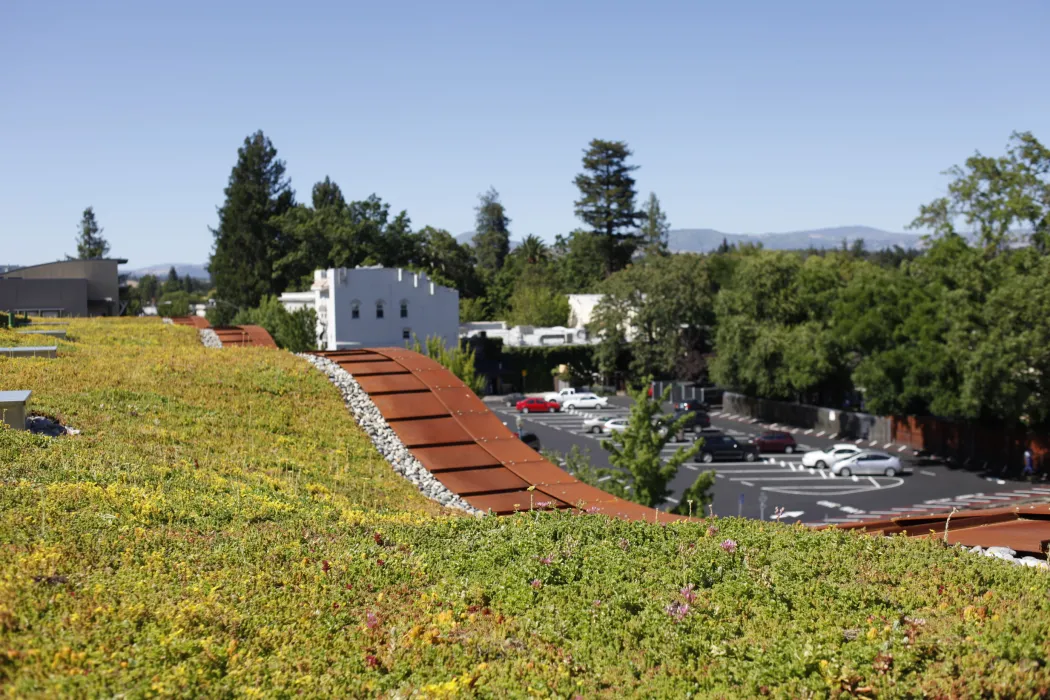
(756, 489)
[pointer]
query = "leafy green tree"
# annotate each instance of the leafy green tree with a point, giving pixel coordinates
(175, 303)
(638, 448)
(996, 197)
(148, 288)
(473, 310)
(655, 228)
(447, 261)
(667, 304)
(295, 331)
(247, 240)
(458, 360)
(578, 262)
(492, 232)
(536, 304)
(90, 243)
(773, 338)
(607, 200)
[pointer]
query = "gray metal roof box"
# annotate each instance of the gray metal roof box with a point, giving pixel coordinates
(13, 408)
(55, 332)
(30, 351)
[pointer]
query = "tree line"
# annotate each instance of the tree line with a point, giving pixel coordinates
(959, 329)
(267, 242)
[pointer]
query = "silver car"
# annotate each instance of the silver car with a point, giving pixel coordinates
(867, 464)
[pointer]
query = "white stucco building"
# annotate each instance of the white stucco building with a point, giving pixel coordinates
(581, 308)
(527, 336)
(377, 307)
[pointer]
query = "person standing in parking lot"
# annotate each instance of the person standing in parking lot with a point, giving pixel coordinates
(1029, 468)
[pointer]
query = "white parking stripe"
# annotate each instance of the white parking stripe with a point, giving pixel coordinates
(809, 432)
(744, 483)
(821, 433)
(903, 447)
(872, 479)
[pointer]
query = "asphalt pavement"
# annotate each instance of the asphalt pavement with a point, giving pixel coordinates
(757, 489)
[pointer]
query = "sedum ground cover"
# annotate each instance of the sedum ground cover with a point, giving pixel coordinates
(221, 528)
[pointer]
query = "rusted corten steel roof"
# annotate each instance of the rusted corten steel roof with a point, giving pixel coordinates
(195, 321)
(467, 447)
(240, 336)
(244, 336)
(1024, 529)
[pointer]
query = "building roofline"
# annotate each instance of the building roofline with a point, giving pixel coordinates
(119, 261)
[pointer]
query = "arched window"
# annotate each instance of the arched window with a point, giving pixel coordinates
(379, 309)
(355, 309)
(404, 309)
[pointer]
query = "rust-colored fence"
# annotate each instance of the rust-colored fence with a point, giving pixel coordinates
(466, 446)
(969, 443)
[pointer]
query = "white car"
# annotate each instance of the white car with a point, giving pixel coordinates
(868, 463)
(826, 458)
(585, 400)
(595, 424)
(614, 425)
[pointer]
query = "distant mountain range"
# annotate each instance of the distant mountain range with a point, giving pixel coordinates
(682, 240)
(704, 240)
(468, 239)
(161, 271)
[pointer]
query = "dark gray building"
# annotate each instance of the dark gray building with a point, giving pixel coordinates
(63, 288)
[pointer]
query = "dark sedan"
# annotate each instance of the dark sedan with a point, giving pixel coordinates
(722, 447)
(776, 441)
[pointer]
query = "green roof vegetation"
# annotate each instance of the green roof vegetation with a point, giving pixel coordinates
(222, 528)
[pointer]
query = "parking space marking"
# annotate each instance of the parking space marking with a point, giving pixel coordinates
(744, 483)
(872, 479)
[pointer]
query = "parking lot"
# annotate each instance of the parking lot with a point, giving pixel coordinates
(756, 489)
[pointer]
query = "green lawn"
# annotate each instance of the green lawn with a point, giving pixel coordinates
(222, 528)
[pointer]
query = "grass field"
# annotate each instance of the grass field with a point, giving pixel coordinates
(221, 528)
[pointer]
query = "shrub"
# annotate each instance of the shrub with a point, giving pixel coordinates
(458, 360)
(295, 331)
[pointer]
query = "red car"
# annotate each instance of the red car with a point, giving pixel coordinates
(776, 441)
(538, 405)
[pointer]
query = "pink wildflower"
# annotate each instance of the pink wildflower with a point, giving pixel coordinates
(729, 546)
(371, 620)
(548, 560)
(677, 610)
(536, 583)
(712, 530)
(688, 593)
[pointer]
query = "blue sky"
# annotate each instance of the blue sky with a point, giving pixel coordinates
(744, 117)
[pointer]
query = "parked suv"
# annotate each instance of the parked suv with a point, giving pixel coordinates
(723, 447)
